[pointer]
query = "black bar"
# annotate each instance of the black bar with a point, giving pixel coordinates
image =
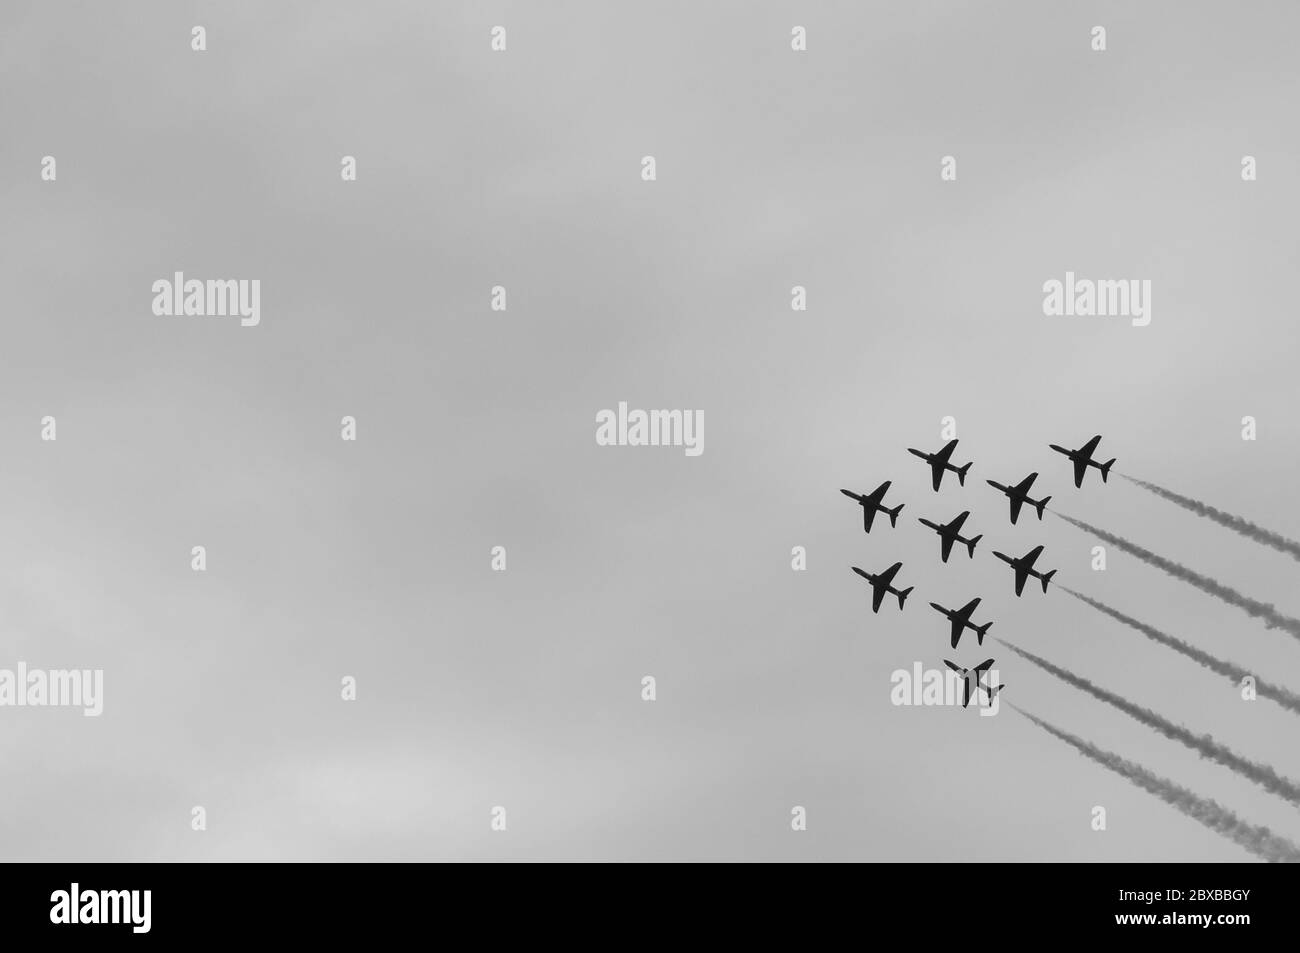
(334, 903)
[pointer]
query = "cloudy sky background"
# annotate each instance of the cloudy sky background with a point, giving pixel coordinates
(476, 428)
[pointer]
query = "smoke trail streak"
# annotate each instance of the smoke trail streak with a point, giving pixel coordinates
(1287, 699)
(1243, 526)
(1260, 841)
(1207, 747)
(1254, 607)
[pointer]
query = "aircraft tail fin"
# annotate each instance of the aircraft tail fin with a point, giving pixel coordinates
(970, 545)
(1041, 505)
(980, 630)
(961, 473)
(893, 515)
(903, 595)
(1105, 469)
(1047, 577)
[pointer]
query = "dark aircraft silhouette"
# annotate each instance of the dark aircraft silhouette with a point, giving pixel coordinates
(1024, 567)
(977, 671)
(951, 532)
(1019, 496)
(1082, 459)
(960, 619)
(871, 505)
(939, 463)
(880, 584)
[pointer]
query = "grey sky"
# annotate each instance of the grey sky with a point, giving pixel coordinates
(476, 428)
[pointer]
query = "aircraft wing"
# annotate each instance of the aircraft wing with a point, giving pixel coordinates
(945, 547)
(877, 594)
(944, 455)
(957, 626)
(966, 701)
(1022, 573)
(964, 613)
(878, 494)
(1080, 468)
(888, 575)
(1091, 445)
(936, 473)
(868, 517)
(1016, 503)
(1032, 556)
(958, 522)
(1023, 486)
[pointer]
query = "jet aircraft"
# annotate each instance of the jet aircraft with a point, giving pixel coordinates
(871, 505)
(960, 619)
(880, 584)
(1024, 567)
(974, 683)
(1082, 459)
(1019, 496)
(950, 533)
(939, 463)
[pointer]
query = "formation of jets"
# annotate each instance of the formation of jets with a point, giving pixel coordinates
(940, 462)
